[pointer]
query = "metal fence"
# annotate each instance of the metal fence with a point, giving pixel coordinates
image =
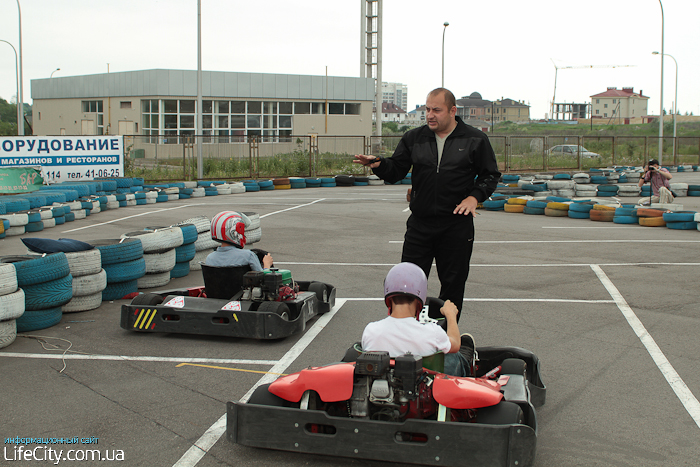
(236, 157)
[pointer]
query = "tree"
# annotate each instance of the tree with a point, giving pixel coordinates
(8, 118)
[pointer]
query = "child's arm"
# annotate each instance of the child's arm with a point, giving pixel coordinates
(449, 310)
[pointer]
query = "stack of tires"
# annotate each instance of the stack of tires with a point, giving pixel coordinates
(297, 182)
(122, 260)
(602, 213)
(681, 220)
(328, 182)
(11, 304)
(185, 252)
(651, 217)
(89, 280)
(628, 190)
(344, 180)
(282, 183)
(607, 190)
(253, 230)
(625, 215)
(204, 243)
(47, 285)
(266, 185)
(159, 255)
(581, 209)
(237, 188)
(251, 185)
(374, 180)
(312, 182)
(535, 207)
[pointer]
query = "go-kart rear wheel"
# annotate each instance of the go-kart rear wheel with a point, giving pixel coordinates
(513, 366)
(320, 290)
(277, 308)
(263, 396)
(503, 413)
(148, 299)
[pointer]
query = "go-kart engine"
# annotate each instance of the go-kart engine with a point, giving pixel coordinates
(383, 393)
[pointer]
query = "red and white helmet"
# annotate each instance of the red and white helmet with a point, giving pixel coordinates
(405, 279)
(228, 226)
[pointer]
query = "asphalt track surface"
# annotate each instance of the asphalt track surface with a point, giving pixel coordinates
(611, 310)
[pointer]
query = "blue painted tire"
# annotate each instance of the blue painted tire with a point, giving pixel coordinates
(125, 271)
(679, 216)
(180, 270)
(535, 211)
(625, 219)
(33, 269)
(579, 214)
(117, 290)
(118, 250)
(48, 294)
(580, 207)
(682, 225)
(185, 253)
(40, 319)
(536, 204)
(625, 212)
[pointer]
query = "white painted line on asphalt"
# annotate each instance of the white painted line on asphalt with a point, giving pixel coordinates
(689, 401)
(294, 207)
(509, 265)
(505, 242)
(552, 300)
(212, 435)
(128, 358)
(131, 217)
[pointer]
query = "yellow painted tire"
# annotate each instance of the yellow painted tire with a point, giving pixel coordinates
(513, 207)
(283, 187)
(522, 201)
(602, 207)
(557, 206)
(556, 212)
(652, 221)
(601, 215)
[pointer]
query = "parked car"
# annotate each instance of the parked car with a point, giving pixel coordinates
(570, 150)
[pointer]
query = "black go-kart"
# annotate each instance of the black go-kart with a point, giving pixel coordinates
(234, 301)
(403, 409)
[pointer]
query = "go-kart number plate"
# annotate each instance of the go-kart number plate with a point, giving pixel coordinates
(176, 302)
(234, 306)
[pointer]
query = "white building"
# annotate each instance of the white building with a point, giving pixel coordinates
(619, 104)
(395, 93)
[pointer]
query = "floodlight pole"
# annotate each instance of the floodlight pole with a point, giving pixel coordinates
(20, 97)
(200, 164)
(443, 52)
(661, 98)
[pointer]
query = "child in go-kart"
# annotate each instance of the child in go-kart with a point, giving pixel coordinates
(228, 228)
(405, 290)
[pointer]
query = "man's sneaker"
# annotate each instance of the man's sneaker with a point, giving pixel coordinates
(468, 350)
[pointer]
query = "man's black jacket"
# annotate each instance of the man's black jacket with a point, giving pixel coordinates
(468, 167)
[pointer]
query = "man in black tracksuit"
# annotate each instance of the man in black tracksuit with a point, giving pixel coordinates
(454, 169)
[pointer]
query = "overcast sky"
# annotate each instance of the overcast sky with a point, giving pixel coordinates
(500, 48)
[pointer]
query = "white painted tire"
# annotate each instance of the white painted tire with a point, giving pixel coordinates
(14, 231)
(151, 194)
(237, 188)
(252, 220)
(90, 284)
(561, 184)
(12, 305)
(80, 214)
(160, 262)
(150, 281)
(253, 236)
(174, 197)
(190, 184)
(83, 303)
(202, 223)
(8, 278)
(199, 257)
(172, 190)
(158, 240)
(198, 193)
(112, 204)
(84, 263)
(17, 219)
(46, 214)
(8, 332)
(205, 242)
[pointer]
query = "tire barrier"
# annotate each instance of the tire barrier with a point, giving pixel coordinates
(122, 260)
(11, 304)
(46, 285)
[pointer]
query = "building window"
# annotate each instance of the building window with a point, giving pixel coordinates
(614, 101)
(605, 106)
(96, 108)
(605, 114)
(125, 105)
(597, 101)
(597, 112)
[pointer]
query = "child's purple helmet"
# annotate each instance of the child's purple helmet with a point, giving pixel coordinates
(408, 279)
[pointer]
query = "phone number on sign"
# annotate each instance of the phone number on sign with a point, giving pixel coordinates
(89, 174)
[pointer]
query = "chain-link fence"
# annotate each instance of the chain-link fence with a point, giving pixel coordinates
(160, 158)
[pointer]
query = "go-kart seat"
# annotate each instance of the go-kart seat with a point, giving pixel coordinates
(435, 362)
(223, 282)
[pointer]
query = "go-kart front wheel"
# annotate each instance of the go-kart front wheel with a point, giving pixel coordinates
(263, 396)
(148, 299)
(320, 290)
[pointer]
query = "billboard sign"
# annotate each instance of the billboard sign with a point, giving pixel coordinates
(66, 158)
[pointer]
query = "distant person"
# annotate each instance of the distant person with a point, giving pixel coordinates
(405, 291)
(453, 169)
(660, 185)
(228, 228)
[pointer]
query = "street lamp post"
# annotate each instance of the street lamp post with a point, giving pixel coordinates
(57, 69)
(675, 102)
(661, 97)
(19, 110)
(443, 52)
(20, 97)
